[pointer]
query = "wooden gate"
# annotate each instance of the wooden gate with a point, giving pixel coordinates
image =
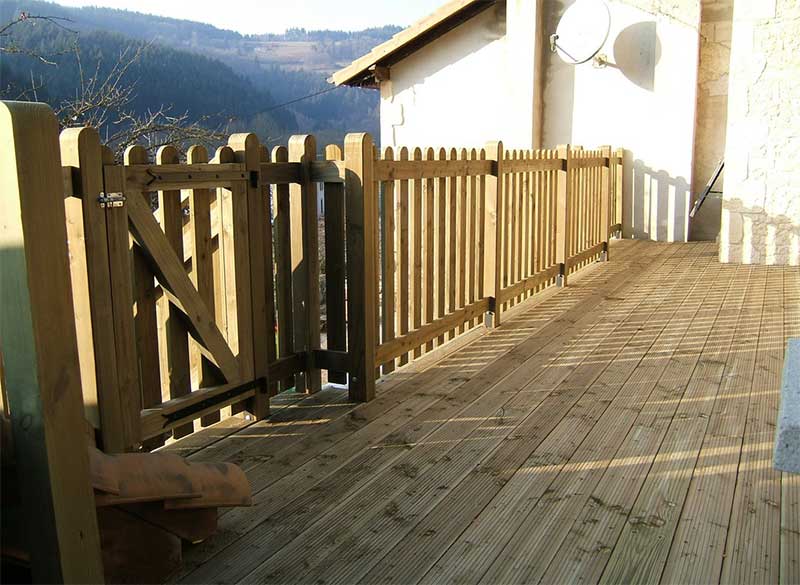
(175, 309)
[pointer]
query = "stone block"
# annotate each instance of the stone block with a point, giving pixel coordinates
(787, 432)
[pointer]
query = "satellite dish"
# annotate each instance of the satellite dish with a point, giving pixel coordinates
(582, 31)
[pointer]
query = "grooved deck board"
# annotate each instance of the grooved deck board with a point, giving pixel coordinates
(617, 430)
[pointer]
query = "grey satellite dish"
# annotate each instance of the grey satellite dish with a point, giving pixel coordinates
(582, 31)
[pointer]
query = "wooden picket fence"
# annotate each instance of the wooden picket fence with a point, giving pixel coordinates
(463, 233)
(211, 303)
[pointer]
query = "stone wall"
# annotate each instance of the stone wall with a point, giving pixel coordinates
(761, 201)
(712, 113)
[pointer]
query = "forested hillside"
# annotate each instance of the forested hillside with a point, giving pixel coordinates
(214, 75)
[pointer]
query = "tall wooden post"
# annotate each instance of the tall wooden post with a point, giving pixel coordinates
(305, 259)
(121, 265)
(563, 214)
(493, 234)
(40, 353)
(247, 151)
(620, 172)
(361, 216)
(605, 201)
(108, 273)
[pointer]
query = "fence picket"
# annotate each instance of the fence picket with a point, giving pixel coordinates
(264, 200)
(305, 258)
(335, 265)
(174, 338)
(416, 251)
(472, 209)
(202, 272)
(283, 266)
(463, 185)
(146, 327)
(452, 234)
(388, 262)
(429, 250)
(404, 269)
(441, 245)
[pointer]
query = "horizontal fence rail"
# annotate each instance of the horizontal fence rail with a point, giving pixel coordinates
(204, 283)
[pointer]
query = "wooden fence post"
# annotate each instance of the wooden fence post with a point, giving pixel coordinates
(41, 364)
(305, 259)
(146, 320)
(493, 233)
(563, 226)
(235, 259)
(116, 367)
(121, 262)
(361, 216)
(605, 202)
(620, 173)
(247, 151)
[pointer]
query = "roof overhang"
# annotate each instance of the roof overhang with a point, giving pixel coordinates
(372, 68)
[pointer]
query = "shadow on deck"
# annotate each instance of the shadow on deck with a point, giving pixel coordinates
(619, 430)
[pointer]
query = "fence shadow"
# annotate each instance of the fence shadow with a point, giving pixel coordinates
(656, 203)
(750, 235)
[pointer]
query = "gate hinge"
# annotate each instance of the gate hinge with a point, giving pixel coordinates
(111, 200)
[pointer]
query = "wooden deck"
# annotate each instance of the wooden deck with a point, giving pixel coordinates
(619, 430)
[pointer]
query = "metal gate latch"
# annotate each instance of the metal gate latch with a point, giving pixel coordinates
(111, 200)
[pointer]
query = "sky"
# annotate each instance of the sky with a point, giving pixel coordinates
(275, 16)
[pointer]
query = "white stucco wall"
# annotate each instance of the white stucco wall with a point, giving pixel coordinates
(455, 91)
(477, 83)
(644, 101)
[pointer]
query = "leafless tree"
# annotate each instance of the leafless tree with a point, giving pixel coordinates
(103, 99)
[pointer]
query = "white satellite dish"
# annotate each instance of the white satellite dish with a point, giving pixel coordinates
(582, 31)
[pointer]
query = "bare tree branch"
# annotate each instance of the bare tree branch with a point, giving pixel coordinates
(158, 128)
(11, 48)
(104, 98)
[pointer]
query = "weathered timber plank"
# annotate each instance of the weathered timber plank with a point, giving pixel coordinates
(244, 522)
(640, 554)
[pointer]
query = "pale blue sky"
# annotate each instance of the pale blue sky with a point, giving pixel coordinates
(254, 16)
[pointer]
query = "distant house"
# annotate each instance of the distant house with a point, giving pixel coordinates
(480, 70)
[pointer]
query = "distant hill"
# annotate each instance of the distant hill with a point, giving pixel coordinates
(211, 71)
